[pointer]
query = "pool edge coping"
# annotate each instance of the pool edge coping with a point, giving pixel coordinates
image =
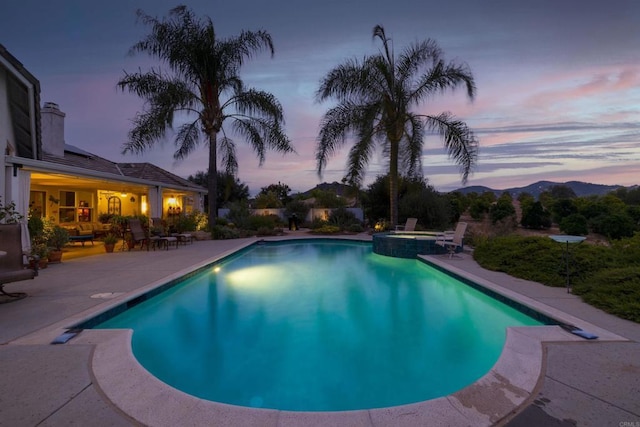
(467, 401)
(510, 383)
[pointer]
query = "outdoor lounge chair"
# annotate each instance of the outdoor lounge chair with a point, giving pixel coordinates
(12, 268)
(451, 241)
(410, 225)
(138, 235)
(162, 239)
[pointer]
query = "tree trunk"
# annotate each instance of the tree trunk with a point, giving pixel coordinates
(393, 182)
(212, 182)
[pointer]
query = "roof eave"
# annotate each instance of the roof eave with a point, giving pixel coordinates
(43, 166)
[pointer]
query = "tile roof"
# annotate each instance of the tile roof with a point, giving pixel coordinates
(76, 157)
(154, 173)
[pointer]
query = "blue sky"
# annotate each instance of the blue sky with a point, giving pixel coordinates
(558, 80)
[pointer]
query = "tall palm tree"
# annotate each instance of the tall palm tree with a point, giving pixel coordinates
(375, 97)
(203, 82)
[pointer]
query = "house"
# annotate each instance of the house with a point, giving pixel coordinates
(64, 183)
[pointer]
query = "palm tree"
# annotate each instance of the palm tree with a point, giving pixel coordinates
(375, 97)
(203, 82)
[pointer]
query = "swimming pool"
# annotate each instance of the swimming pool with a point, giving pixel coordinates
(253, 330)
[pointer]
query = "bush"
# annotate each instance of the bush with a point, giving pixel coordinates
(355, 228)
(318, 223)
(432, 209)
(502, 210)
(193, 221)
(297, 207)
(35, 224)
(574, 224)
(239, 214)
(614, 290)
(266, 231)
(327, 229)
(535, 216)
(342, 218)
(606, 277)
(221, 232)
(478, 209)
(256, 222)
(614, 226)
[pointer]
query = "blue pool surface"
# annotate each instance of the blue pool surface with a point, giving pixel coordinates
(319, 326)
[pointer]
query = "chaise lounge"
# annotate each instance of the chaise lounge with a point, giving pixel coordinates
(452, 241)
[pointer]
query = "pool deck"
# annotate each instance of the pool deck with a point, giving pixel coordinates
(545, 375)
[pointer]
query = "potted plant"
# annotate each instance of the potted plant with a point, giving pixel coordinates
(110, 241)
(57, 237)
(131, 243)
(41, 250)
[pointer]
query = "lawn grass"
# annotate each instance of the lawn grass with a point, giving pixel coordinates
(607, 277)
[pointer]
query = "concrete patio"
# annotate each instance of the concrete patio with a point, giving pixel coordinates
(578, 382)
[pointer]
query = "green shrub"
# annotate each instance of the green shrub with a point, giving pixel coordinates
(614, 290)
(614, 226)
(255, 222)
(342, 218)
(502, 210)
(327, 229)
(221, 221)
(355, 228)
(318, 223)
(266, 231)
(191, 222)
(221, 232)
(535, 216)
(239, 214)
(606, 277)
(297, 207)
(574, 224)
(479, 208)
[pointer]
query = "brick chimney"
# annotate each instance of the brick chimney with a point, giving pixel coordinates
(52, 129)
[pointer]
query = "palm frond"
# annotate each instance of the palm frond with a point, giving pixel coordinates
(460, 142)
(412, 151)
(229, 160)
(187, 139)
(442, 77)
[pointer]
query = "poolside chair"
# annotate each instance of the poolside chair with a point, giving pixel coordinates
(451, 241)
(138, 235)
(410, 225)
(12, 268)
(162, 239)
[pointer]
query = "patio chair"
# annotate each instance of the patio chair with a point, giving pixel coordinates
(138, 235)
(410, 225)
(162, 239)
(451, 241)
(12, 268)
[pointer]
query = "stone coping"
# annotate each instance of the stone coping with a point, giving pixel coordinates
(497, 395)
(511, 383)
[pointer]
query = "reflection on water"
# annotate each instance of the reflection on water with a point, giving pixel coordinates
(319, 326)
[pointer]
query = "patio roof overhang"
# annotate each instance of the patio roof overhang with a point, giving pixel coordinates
(57, 174)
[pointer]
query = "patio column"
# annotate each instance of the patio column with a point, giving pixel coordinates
(155, 202)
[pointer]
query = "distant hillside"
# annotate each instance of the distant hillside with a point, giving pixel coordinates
(338, 188)
(580, 188)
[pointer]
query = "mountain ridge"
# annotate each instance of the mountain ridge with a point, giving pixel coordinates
(579, 187)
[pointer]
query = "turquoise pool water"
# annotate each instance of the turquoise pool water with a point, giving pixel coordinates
(319, 326)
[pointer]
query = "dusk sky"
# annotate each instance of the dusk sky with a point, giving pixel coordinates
(558, 81)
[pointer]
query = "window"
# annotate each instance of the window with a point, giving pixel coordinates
(67, 206)
(37, 203)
